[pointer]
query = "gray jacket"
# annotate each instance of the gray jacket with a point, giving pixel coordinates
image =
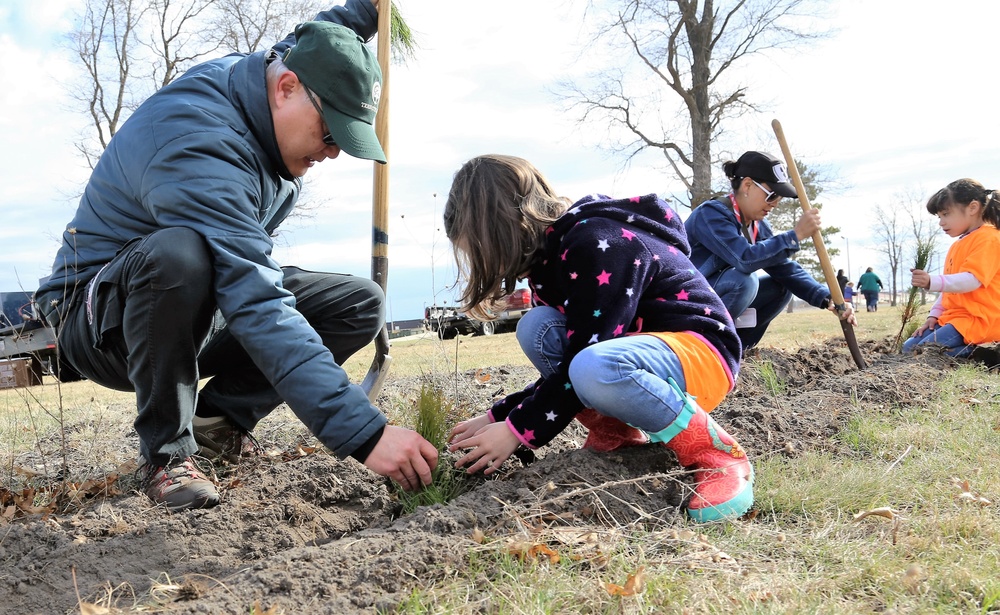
(202, 154)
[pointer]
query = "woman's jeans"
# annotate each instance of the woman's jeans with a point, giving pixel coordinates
(946, 336)
(151, 326)
(624, 378)
(871, 300)
(740, 291)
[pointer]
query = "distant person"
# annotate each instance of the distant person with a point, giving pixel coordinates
(165, 275)
(965, 313)
(625, 332)
(849, 293)
(842, 280)
(731, 241)
(870, 286)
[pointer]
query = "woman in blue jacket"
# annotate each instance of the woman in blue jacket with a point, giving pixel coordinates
(731, 241)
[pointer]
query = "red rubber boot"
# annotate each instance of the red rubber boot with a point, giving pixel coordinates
(607, 433)
(723, 474)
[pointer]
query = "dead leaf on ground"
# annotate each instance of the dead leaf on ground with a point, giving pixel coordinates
(883, 511)
(967, 495)
(635, 584)
(259, 610)
(87, 608)
(532, 551)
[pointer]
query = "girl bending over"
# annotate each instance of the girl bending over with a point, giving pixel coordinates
(627, 335)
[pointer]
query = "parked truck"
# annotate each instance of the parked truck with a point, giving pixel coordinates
(23, 335)
(449, 322)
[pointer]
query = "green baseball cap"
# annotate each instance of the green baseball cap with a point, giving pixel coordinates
(334, 63)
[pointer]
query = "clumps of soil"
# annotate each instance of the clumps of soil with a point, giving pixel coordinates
(304, 532)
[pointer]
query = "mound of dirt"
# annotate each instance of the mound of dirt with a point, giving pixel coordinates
(305, 532)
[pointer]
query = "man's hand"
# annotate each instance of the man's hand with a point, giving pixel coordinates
(490, 447)
(404, 456)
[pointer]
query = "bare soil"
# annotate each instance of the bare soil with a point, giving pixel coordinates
(301, 531)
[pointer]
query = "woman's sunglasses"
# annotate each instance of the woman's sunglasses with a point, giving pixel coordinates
(769, 197)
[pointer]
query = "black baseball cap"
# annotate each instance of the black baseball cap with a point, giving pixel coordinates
(765, 168)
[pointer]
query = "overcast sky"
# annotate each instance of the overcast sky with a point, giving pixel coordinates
(902, 98)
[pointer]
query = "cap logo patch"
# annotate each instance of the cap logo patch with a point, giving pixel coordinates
(376, 95)
(780, 173)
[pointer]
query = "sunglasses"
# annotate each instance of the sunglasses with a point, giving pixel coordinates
(769, 197)
(327, 138)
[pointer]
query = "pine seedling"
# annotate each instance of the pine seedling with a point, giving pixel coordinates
(923, 256)
(447, 481)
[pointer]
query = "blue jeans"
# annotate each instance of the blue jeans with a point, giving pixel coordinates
(871, 300)
(947, 336)
(624, 378)
(740, 291)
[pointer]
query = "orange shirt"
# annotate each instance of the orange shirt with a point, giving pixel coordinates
(976, 314)
(705, 373)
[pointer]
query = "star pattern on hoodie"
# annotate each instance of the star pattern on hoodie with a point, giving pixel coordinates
(638, 279)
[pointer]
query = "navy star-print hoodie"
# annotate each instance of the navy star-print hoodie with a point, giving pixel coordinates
(614, 266)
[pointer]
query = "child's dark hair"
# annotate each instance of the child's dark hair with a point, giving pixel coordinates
(960, 193)
(497, 211)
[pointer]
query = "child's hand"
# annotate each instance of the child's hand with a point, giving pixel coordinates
(931, 323)
(466, 429)
(490, 447)
(920, 278)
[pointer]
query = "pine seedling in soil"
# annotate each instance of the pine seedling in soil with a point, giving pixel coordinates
(924, 250)
(447, 481)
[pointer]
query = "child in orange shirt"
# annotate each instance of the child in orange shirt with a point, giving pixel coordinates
(966, 312)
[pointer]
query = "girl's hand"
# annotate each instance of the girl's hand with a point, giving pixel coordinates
(466, 429)
(489, 448)
(931, 323)
(920, 278)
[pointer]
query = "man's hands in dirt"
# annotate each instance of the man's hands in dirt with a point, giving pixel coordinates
(404, 456)
(488, 444)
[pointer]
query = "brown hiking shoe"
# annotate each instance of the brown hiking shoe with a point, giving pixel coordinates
(218, 437)
(179, 486)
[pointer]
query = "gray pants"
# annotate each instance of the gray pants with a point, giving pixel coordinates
(153, 328)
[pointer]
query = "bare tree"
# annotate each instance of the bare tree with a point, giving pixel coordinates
(890, 235)
(131, 48)
(105, 42)
(246, 27)
(177, 40)
(685, 50)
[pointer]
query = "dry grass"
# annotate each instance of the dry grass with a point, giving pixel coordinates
(926, 470)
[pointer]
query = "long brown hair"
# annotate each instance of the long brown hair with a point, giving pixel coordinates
(496, 215)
